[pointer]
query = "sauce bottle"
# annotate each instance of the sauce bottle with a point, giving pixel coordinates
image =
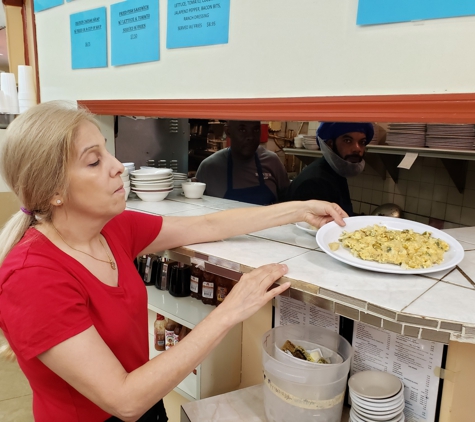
(159, 333)
(183, 332)
(223, 287)
(170, 334)
(176, 334)
(165, 274)
(147, 276)
(142, 262)
(208, 291)
(196, 278)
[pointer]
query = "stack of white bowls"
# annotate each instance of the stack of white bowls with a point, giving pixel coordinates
(152, 184)
(310, 142)
(178, 179)
(125, 178)
(26, 88)
(129, 166)
(376, 396)
(9, 97)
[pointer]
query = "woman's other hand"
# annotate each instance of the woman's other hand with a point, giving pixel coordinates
(252, 292)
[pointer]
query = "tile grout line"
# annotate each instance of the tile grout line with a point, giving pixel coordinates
(418, 297)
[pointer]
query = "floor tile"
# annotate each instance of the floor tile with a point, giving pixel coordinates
(12, 381)
(16, 410)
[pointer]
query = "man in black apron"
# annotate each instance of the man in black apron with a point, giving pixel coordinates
(246, 171)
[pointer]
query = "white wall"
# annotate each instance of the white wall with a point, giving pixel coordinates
(277, 48)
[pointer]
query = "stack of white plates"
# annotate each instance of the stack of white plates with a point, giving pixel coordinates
(310, 142)
(129, 166)
(151, 184)
(459, 137)
(178, 179)
(125, 178)
(406, 134)
(376, 396)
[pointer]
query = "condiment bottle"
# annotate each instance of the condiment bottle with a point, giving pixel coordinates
(176, 334)
(142, 260)
(165, 274)
(159, 333)
(170, 334)
(183, 332)
(196, 278)
(147, 276)
(208, 291)
(156, 270)
(223, 287)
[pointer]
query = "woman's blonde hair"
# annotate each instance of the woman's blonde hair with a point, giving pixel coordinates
(34, 161)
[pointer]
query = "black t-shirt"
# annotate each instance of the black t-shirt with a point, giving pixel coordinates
(319, 181)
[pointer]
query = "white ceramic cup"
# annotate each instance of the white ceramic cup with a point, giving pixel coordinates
(26, 82)
(298, 141)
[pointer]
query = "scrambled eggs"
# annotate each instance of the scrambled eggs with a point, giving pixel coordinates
(405, 248)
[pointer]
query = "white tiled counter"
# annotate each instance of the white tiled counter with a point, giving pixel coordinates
(437, 307)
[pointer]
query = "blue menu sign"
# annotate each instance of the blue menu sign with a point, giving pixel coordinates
(89, 39)
(40, 5)
(135, 32)
(193, 23)
(372, 12)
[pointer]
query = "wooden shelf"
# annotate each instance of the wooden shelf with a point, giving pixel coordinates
(384, 158)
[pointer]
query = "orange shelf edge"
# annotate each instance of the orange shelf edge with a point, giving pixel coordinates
(441, 108)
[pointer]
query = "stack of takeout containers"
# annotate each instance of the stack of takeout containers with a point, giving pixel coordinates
(376, 396)
(9, 97)
(151, 184)
(26, 88)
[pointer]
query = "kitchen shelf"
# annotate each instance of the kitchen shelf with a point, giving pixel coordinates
(220, 372)
(385, 158)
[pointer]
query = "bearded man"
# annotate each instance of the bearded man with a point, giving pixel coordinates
(343, 146)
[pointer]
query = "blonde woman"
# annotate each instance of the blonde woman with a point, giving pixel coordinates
(72, 305)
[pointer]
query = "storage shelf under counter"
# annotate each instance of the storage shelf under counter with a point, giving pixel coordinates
(207, 379)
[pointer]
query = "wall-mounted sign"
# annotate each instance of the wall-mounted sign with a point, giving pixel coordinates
(194, 23)
(134, 32)
(89, 39)
(372, 12)
(40, 5)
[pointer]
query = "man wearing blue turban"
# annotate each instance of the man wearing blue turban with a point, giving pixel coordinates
(343, 146)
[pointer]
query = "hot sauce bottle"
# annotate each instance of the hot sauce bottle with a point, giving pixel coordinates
(208, 290)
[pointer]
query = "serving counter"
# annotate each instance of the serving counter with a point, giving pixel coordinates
(436, 307)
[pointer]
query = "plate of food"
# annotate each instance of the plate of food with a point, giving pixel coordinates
(390, 245)
(311, 230)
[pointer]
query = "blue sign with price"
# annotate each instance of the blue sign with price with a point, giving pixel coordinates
(193, 23)
(372, 12)
(89, 39)
(135, 32)
(40, 5)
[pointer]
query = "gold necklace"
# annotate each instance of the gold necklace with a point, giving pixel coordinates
(110, 261)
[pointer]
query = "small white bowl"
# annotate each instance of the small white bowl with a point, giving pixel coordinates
(152, 196)
(193, 190)
(126, 184)
(127, 191)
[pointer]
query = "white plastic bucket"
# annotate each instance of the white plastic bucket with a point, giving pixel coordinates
(296, 390)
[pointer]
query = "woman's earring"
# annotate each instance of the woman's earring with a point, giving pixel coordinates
(58, 201)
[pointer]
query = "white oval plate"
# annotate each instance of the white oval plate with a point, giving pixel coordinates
(302, 225)
(331, 232)
(375, 384)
